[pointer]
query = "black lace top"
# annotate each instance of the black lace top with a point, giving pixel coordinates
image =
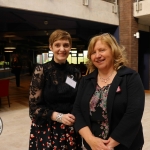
(49, 92)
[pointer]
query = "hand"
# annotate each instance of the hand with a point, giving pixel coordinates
(98, 144)
(68, 119)
(112, 143)
(110, 148)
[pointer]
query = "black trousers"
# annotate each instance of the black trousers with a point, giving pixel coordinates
(17, 75)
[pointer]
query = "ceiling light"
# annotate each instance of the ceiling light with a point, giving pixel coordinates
(9, 36)
(8, 51)
(73, 51)
(73, 48)
(9, 47)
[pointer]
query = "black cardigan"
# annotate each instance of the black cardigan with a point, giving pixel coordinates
(125, 108)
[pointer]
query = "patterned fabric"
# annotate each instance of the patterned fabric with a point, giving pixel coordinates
(98, 112)
(56, 136)
(49, 93)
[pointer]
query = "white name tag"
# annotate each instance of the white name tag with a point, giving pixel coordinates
(71, 82)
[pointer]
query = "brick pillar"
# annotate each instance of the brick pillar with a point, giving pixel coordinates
(128, 26)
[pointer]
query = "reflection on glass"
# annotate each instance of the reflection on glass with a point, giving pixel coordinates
(73, 52)
(73, 55)
(50, 53)
(80, 59)
(74, 60)
(39, 59)
(80, 54)
(45, 57)
(85, 56)
(69, 59)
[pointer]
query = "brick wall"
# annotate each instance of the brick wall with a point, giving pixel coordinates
(128, 26)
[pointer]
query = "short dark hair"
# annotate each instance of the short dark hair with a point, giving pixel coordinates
(59, 35)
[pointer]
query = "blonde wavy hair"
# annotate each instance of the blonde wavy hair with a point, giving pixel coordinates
(118, 51)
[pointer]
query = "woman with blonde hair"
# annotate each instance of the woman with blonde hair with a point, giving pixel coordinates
(113, 99)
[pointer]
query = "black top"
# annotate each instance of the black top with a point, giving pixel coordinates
(125, 106)
(49, 92)
(16, 66)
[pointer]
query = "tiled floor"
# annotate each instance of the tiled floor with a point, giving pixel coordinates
(146, 122)
(16, 121)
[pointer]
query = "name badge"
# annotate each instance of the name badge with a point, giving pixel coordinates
(71, 82)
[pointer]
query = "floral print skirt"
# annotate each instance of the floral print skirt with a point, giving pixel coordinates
(56, 136)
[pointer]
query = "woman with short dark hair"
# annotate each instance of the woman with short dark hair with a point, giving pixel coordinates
(52, 93)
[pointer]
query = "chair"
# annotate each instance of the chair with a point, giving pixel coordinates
(4, 89)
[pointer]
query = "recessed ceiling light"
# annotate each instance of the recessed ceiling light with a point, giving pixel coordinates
(8, 51)
(9, 47)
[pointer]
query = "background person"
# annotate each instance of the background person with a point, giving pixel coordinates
(110, 100)
(16, 69)
(52, 93)
(83, 68)
(30, 67)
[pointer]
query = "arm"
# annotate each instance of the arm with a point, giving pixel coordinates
(112, 143)
(130, 124)
(37, 107)
(67, 119)
(94, 142)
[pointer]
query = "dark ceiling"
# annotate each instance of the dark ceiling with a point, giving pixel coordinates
(29, 30)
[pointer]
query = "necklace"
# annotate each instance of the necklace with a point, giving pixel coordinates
(105, 80)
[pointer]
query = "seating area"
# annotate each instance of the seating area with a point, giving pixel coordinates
(4, 90)
(16, 121)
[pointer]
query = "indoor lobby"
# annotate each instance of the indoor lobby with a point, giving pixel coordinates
(25, 27)
(16, 121)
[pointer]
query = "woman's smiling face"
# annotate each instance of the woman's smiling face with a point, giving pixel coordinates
(102, 56)
(60, 49)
